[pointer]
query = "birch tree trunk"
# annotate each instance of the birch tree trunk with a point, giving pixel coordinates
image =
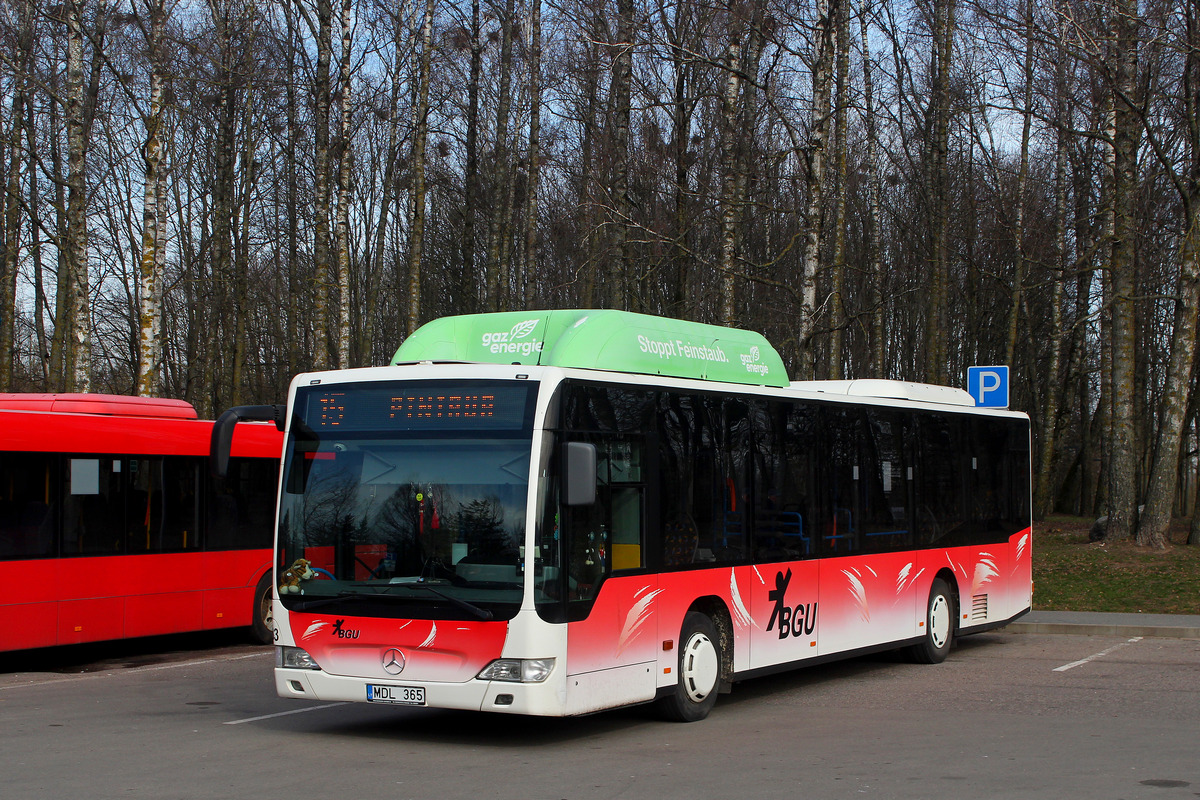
(33, 206)
(939, 193)
(1122, 473)
(622, 103)
(388, 194)
(77, 314)
(1019, 267)
(1160, 497)
(841, 26)
(729, 203)
(322, 180)
(874, 262)
(682, 48)
(152, 258)
(1155, 520)
(12, 201)
(535, 143)
(815, 185)
(342, 336)
(1044, 482)
(498, 272)
(420, 136)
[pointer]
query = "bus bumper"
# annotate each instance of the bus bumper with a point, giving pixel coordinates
(540, 699)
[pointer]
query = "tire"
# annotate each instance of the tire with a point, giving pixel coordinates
(940, 616)
(698, 671)
(262, 624)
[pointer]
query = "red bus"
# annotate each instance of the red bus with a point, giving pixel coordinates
(111, 525)
(560, 512)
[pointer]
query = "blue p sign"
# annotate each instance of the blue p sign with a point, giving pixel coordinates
(989, 386)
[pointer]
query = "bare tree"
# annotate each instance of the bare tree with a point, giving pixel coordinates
(420, 137)
(822, 73)
(152, 256)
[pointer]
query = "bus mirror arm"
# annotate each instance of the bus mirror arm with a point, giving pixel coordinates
(579, 473)
(222, 432)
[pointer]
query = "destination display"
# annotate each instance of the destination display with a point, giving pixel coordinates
(418, 406)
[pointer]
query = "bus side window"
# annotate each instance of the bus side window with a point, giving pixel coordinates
(27, 514)
(94, 506)
(162, 504)
(609, 535)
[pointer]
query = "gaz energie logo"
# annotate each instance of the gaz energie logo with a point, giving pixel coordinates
(751, 362)
(515, 340)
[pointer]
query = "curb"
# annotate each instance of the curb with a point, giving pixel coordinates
(1084, 629)
(1165, 626)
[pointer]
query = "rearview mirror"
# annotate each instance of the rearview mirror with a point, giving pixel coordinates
(579, 473)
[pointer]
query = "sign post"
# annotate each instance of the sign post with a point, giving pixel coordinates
(989, 386)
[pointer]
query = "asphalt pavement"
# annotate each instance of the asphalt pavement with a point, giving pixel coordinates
(1170, 626)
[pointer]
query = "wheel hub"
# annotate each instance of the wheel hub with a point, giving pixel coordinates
(700, 667)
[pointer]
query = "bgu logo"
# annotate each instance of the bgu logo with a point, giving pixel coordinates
(343, 633)
(798, 621)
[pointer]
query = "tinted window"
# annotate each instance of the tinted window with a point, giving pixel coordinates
(241, 507)
(28, 514)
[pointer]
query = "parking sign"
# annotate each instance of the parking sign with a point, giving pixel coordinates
(989, 386)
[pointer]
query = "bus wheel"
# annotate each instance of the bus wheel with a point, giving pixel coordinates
(262, 623)
(698, 672)
(939, 626)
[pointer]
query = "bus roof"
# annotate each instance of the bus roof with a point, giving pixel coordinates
(891, 390)
(112, 405)
(618, 341)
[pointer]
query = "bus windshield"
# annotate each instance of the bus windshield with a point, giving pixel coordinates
(407, 500)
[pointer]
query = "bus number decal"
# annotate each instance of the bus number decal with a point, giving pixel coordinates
(797, 621)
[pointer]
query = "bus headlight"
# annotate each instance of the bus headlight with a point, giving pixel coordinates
(294, 658)
(518, 670)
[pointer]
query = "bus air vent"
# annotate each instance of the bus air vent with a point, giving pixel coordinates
(979, 606)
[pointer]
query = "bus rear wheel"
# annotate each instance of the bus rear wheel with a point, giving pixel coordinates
(262, 623)
(698, 671)
(939, 626)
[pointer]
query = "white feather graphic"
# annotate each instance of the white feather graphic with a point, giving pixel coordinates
(636, 619)
(314, 629)
(432, 635)
(1022, 543)
(902, 578)
(741, 614)
(859, 594)
(985, 570)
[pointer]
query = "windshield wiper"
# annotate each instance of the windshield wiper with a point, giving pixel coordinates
(482, 613)
(345, 594)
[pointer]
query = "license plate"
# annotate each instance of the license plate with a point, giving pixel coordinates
(398, 695)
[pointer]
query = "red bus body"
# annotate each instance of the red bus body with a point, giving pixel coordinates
(56, 594)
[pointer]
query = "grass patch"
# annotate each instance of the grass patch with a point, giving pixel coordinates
(1072, 574)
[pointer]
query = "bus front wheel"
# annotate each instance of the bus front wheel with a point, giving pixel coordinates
(939, 626)
(698, 671)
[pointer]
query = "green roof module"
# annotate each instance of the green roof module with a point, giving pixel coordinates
(618, 341)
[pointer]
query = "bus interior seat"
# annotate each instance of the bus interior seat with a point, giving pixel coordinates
(680, 540)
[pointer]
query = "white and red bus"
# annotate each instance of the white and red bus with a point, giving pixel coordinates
(112, 526)
(619, 509)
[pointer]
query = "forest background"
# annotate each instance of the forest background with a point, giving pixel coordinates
(205, 197)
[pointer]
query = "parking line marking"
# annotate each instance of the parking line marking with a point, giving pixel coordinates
(287, 713)
(115, 671)
(1101, 654)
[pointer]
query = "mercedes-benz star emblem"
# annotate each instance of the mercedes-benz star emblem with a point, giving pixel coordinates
(393, 661)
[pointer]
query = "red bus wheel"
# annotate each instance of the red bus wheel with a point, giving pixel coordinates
(698, 671)
(262, 624)
(939, 626)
